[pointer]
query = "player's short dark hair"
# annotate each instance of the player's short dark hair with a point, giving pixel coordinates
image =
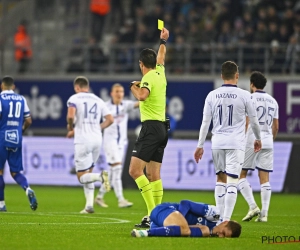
(148, 58)
(235, 228)
(258, 80)
(82, 81)
(229, 69)
(8, 81)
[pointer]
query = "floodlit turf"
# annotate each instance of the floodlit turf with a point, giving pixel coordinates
(57, 223)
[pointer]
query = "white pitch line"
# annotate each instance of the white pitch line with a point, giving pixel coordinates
(114, 221)
(68, 223)
(62, 213)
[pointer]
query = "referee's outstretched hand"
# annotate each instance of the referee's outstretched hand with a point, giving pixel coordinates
(164, 34)
(198, 154)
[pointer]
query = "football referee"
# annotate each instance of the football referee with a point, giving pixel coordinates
(149, 147)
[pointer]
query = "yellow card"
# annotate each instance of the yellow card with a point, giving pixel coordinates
(160, 24)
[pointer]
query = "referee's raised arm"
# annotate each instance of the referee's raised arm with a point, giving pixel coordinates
(161, 54)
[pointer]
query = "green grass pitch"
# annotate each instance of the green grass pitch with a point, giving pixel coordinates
(57, 223)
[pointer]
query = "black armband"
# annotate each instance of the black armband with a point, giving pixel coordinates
(163, 41)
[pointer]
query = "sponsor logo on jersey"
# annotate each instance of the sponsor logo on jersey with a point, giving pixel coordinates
(12, 136)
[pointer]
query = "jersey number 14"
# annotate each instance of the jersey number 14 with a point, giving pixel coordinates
(91, 111)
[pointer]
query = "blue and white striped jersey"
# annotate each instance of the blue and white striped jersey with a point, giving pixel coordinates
(13, 110)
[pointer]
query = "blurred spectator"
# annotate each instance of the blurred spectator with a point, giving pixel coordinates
(273, 33)
(260, 35)
(118, 14)
(177, 54)
(247, 19)
(186, 6)
(99, 10)
(23, 51)
(97, 59)
(288, 20)
(276, 59)
(193, 36)
(223, 16)
(262, 15)
(208, 34)
(249, 35)
(296, 33)
(126, 33)
(292, 53)
(225, 36)
(283, 34)
(209, 15)
(272, 16)
(239, 31)
(76, 59)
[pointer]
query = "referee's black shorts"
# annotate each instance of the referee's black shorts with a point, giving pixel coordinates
(152, 140)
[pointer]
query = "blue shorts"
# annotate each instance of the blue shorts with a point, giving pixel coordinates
(161, 212)
(14, 158)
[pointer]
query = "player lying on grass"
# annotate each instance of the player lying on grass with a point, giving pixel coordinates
(188, 218)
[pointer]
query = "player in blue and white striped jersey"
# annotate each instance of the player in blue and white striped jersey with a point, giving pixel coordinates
(114, 140)
(228, 106)
(14, 120)
(188, 218)
(267, 113)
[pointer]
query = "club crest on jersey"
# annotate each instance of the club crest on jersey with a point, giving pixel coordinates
(12, 136)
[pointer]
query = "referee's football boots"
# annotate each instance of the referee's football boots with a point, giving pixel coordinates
(145, 223)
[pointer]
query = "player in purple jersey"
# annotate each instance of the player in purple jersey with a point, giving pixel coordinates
(188, 218)
(14, 120)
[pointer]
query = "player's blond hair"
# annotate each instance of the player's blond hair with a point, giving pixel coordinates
(116, 85)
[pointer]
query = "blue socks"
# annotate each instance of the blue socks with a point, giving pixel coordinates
(2, 186)
(21, 180)
(171, 231)
(196, 232)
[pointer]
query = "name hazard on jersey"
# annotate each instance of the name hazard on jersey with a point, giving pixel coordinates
(226, 95)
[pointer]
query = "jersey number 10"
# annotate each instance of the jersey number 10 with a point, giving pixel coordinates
(17, 109)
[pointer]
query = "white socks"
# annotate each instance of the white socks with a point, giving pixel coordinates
(265, 198)
(2, 203)
(90, 178)
(230, 200)
(89, 189)
(220, 191)
(116, 182)
(246, 190)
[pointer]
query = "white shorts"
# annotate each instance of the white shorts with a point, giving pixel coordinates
(86, 155)
(114, 152)
(228, 161)
(262, 160)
